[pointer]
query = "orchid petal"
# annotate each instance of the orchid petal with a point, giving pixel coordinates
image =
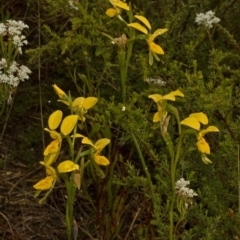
(101, 143)
(203, 146)
(67, 166)
(155, 48)
(89, 102)
(144, 21)
(54, 119)
(139, 27)
(44, 184)
(191, 122)
(101, 160)
(201, 117)
(111, 12)
(68, 124)
(88, 142)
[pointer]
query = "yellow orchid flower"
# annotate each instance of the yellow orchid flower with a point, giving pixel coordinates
(48, 181)
(98, 146)
(194, 121)
(154, 48)
(54, 121)
(118, 6)
(81, 105)
(159, 99)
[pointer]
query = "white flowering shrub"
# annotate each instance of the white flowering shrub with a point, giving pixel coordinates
(11, 42)
(14, 73)
(207, 19)
(184, 192)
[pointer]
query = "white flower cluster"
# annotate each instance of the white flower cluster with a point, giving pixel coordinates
(207, 19)
(183, 190)
(13, 29)
(13, 74)
(157, 81)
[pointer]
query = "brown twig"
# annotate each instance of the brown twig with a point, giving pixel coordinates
(135, 217)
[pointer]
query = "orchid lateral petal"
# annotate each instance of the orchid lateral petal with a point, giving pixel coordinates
(44, 184)
(207, 130)
(78, 135)
(53, 134)
(67, 166)
(158, 32)
(88, 142)
(191, 122)
(68, 124)
(65, 102)
(212, 129)
(156, 97)
(169, 96)
(89, 102)
(205, 159)
(157, 117)
(155, 56)
(53, 147)
(51, 171)
(201, 117)
(54, 119)
(101, 143)
(150, 59)
(139, 27)
(144, 21)
(122, 5)
(60, 92)
(177, 93)
(111, 12)
(155, 48)
(50, 158)
(101, 160)
(203, 146)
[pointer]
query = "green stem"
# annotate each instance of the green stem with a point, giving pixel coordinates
(68, 213)
(121, 61)
(173, 180)
(143, 164)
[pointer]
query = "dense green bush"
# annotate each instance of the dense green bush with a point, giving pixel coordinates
(76, 53)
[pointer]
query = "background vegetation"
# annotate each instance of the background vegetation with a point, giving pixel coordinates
(68, 47)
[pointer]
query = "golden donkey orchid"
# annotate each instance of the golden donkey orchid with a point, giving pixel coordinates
(154, 48)
(194, 121)
(98, 146)
(160, 101)
(118, 6)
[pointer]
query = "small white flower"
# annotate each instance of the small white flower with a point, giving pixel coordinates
(183, 190)
(207, 19)
(3, 29)
(123, 108)
(13, 74)
(15, 27)
(3, 63)
(157, 81)
(19, 41)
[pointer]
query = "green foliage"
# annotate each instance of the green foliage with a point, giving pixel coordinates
(204, 63)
